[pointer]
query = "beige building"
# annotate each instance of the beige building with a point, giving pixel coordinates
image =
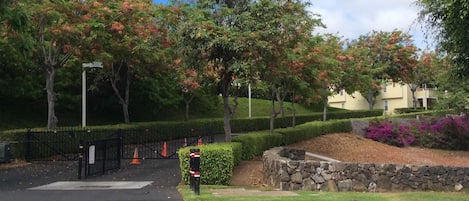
(391, 96)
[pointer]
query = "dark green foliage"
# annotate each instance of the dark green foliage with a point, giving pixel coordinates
(262, 123)
(408, 110)
(216, 162)
(254, 144)
(314, 129)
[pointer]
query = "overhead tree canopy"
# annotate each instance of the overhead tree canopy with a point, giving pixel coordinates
(448, 22)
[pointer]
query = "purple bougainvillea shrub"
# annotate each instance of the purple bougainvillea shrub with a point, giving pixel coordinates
(389, 133)
(451, 132)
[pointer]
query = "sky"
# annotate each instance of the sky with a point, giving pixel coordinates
(352, 18)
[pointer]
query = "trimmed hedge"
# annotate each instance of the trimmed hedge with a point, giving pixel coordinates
(262, 123)
(204, 127)
(216, 162)
(314, 129)
(255, 143)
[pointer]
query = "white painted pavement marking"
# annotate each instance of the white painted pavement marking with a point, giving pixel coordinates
(95, 185)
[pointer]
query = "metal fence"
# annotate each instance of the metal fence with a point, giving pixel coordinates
(63, 145)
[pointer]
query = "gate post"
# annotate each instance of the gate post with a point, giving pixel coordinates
(195, 170)
(191, 171)
(80, 158)
(120, 148)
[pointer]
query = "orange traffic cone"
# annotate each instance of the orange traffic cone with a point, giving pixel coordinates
(164, 153)
(199, 142)
(135, 160)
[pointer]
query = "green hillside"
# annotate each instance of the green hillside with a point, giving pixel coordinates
(23, 115)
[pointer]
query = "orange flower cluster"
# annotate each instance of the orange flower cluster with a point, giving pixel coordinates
(117, 26)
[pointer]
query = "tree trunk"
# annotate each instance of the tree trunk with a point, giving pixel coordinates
(293, 113)
(188, 102)
(125, 110)
(274, 113)
(52, 120)
(280, 98)
(124, 101)
(235, 105)
(370, 99)
(226, 118)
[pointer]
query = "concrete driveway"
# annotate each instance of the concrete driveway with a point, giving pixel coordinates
(157, 178)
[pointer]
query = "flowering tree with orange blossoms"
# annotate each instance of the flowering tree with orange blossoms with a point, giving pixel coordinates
(385, 56)
(55, 27)
(125, 36)
(189, 84)
(429, 68)
(239, 40)
(285, 26)
(337, 69)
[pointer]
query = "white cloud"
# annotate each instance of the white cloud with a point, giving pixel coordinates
(352, 18)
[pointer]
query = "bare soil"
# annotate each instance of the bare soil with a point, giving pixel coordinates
(350, 147)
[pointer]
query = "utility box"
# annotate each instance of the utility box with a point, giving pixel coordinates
(4, 152)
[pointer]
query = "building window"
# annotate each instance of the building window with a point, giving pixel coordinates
(386, 106)
(385, 88)
(343, 105)
(341, 92)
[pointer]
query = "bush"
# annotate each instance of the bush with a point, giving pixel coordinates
(216, 162)
(313, 129)
(255, 143)
(389, 133)
(451, 132)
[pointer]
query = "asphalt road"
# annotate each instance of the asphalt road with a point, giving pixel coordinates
(15, 183)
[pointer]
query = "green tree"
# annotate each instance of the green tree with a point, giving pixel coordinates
(448, 22)
(56, 39)
(125, 36)
(240, 40)
(275, 30)
(385, 56)
(19, 78)
(429, 68)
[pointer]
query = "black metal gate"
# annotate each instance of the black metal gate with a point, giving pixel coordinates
(99, 156)
(59, 145)
(167, 149)
(63, 145)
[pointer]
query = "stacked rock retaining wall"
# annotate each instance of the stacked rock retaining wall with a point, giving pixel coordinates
(287, 169)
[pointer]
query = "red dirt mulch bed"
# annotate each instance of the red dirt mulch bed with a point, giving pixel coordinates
(348, 147)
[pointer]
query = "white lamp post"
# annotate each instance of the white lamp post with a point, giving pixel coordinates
(249, 99)
(95, 64)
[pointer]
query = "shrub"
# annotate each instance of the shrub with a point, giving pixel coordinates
(216, 162)
(389, 133)
(454, 131)
(255, 143)
(313, 129)
(451, 132)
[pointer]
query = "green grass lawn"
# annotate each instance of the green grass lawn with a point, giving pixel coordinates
(206, 195)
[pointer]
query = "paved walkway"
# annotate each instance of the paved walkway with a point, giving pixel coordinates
(163, 176)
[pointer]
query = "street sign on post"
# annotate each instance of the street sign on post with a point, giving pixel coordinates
(95, 64)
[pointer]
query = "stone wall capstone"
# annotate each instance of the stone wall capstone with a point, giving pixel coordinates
(285, 173)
